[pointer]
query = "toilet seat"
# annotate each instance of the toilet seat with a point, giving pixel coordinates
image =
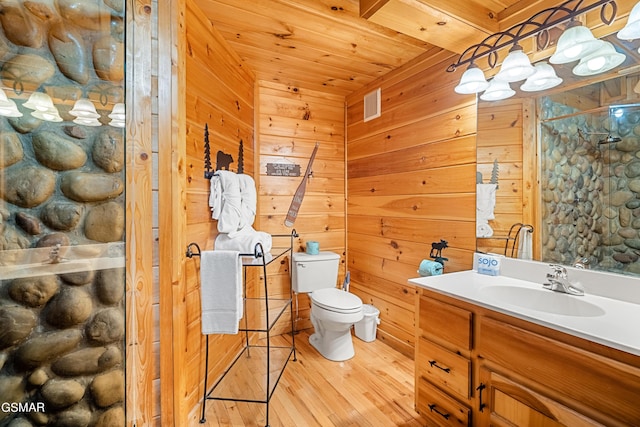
(337, 301)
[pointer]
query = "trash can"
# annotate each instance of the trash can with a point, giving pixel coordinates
(366, 328)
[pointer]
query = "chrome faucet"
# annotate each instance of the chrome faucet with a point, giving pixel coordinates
(558, 281)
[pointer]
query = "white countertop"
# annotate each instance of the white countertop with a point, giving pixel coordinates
(615, 325)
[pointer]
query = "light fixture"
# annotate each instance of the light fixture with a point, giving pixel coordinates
(118, 115)
(575, 43)
(83, 108)
(604, 59)
(86, 121)
(472, 81)
(43, 107)
(631, 31)
(497, 90)
(516, 66)
(544, 78)
(8, 107)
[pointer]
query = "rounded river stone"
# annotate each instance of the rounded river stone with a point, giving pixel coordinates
(87, 361)
(91, 187)
(62, 216)
(59, 393)
(106, 327)
(16, 323)
(38, 350)
(71, 306)
(108, 151)
(108, 389)
(78, 278)
(111, 417)
(11, 238)
(11, 151)
(13, 390)
(53, 239)
(20, 27)
(109, 285)
(68, 49)
(30, 69)
(76, 416)
(56, 152)
(28, 223)
(85, 14)
(108, 59)
(34, 291)
(28, 186)
(105, 223)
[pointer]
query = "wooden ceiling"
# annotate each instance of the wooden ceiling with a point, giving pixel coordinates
(326, 45)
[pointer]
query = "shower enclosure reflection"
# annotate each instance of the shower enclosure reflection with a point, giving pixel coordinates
(590, 185)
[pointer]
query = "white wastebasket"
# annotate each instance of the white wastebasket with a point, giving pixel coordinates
(366, 328)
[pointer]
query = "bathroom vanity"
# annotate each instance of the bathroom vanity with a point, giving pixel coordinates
(504, 351)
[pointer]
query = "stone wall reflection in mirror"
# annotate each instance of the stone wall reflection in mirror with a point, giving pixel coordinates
(590, 181)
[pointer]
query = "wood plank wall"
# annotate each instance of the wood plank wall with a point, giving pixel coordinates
(411, 182)
(290, 120)
(506, 133)
(219, 91)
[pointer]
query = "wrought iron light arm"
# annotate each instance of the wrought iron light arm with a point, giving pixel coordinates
(539, 25)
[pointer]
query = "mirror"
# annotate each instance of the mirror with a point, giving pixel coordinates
(566, 162)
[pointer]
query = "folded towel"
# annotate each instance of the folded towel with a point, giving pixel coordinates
(220, 291)
(430, 268)
(215, 196)
(230, 214)
(248, 200)
(483, 229)
(485, 201)
(525, 250)
(244, 240)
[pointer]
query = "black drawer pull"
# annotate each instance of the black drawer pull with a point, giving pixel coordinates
(433, 363)
(434, 408)
(480, 388)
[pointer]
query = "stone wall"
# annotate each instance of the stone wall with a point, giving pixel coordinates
(61, 186)
(590, 190)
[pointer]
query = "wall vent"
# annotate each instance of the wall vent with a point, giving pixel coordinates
(372, 105)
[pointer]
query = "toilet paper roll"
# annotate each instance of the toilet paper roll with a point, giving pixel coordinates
(430, 268)
(313, 248)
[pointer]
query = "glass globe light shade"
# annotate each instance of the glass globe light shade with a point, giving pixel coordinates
(40, 102)
(516, 66)
(8, 107)
(118, 112)
(575, 43)
(85, 109)
(604, 59)
(497, 90)
(50, 115)
(117, 123)
(472, 81)
(87, 121)
(544, 78)
(631, 31)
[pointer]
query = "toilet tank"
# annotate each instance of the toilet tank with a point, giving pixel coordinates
(311, 272)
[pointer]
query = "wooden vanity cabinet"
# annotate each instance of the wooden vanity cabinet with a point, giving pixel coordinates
(497, 370)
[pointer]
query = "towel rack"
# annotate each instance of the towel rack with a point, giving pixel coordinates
(260, 315)
(514, 234)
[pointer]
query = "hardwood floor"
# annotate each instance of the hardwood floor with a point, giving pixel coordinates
(374, 389)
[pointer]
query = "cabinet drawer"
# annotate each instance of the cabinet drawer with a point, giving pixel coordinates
(444, 321)
(440, 409)
(444, 368)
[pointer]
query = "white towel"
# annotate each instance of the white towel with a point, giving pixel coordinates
(525, 243)
(220, 291)
(483, 229)
(244, 240)
(229, 220)
(485, 201)
(248, 200)
(215, 196)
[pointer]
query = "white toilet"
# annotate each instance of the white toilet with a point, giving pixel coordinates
(333, 311)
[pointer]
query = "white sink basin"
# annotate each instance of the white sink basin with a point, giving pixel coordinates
(542, 300)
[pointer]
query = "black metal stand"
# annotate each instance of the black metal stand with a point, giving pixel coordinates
(265, 362)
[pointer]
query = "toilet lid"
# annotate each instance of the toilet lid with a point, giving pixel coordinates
(336, 300)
